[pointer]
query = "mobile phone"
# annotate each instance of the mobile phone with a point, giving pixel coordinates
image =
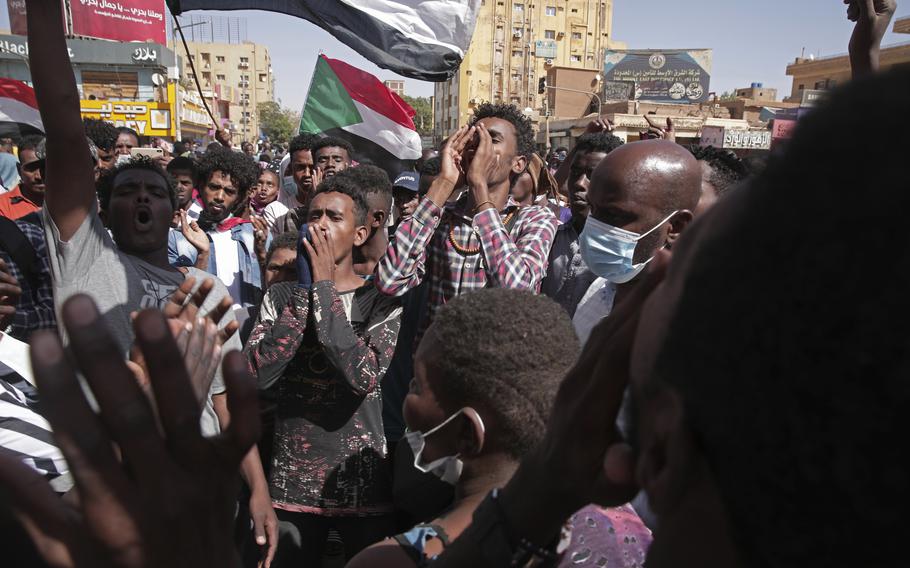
(148, 152)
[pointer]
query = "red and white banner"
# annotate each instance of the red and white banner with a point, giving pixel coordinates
(120, 20)
(18, 109)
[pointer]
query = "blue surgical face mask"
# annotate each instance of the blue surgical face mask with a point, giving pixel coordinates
(608, 251)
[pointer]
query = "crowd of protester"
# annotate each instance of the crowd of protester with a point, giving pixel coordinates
(624, 352)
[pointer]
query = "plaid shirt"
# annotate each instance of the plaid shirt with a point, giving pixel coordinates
(508, 258)
(36, 305)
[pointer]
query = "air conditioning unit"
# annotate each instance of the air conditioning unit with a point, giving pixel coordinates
(517, 34)
(244, 65)
(548, 62)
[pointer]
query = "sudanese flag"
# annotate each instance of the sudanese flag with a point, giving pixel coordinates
(349, 103)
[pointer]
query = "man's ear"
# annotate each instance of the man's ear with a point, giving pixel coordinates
(379, 219)
(470, 434)
(677, 224)
(361, 234)
(666, 452)
(519, 165)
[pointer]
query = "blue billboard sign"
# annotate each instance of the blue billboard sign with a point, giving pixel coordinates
(664, 76)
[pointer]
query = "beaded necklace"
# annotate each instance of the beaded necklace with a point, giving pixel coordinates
(465, 251)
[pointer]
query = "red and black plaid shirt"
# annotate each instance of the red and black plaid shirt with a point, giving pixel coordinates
(513, 257)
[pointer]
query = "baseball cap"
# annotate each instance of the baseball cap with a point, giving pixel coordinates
(408, 181)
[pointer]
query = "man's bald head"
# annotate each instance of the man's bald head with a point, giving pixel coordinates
(656, 172)
(638, 185)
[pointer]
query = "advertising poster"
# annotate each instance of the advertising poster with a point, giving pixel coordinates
(120, 20)
(664, 76)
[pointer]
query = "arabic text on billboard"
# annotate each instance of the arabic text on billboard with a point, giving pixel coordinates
(666, 76)
(120, 20)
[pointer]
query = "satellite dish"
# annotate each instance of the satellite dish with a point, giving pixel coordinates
(158, 79)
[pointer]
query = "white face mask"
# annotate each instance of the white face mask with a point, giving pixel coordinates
(446, 468)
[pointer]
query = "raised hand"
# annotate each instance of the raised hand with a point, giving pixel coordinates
(10, 291)
(599, 125)
(485, 161)
(656, 131)
(261, 228)
(321, 251)
(872, 18)
(171, 501)
(193, 234)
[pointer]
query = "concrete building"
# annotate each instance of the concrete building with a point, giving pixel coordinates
(828, 72)
(396, 86)
(127, 84)
(902, 26)
(756, 104)
(515, 42)
(239, 76)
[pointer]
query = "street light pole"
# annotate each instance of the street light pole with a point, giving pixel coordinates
(590, 93)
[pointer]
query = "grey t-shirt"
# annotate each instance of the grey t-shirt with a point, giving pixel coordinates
(119, 283)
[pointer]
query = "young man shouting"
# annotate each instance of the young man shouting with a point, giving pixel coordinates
(327, 345)
(484, 239)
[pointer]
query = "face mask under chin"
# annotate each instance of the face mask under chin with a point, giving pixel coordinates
(447, 468)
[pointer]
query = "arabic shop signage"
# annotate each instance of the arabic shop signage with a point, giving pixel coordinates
(100, 52)
(735, 138)
(666, 76)
(148, 119)
(120, 20)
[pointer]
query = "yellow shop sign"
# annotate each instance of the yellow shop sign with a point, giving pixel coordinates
(148, 119)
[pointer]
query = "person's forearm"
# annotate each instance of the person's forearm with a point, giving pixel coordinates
(403, 266)
(440, 191)
(273, 345)
(202, 260)
(70, 193)
(252, 473)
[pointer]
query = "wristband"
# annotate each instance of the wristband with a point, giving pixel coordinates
(481, 204)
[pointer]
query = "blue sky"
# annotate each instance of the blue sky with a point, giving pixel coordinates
(752, 40)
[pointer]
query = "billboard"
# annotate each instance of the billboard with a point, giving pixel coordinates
(545, 48)
(148, 119)
(120, 20)
(664, 76)
(18, 24)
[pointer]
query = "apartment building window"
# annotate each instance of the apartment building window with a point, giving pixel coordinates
(219, 58)
(220, 77)
(516, 30)
(576, 35)
(263, 77)
(549, 34)
(516, 53)
(518, 7)
(244, 59)
(550, 10)
(575, 58)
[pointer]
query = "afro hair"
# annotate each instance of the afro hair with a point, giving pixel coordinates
(524, 134)
(373, 182)
(103, 134)
(286, 240)
(242, 170)
(504, 352)
(431, 167)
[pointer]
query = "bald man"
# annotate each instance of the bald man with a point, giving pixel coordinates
(641, 198)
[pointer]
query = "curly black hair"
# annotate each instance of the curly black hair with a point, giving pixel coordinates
(332, 142)
(727, 168)
(105, 185)
(286, 240)
(348, 186)
(373, 182)
(242, 170)
(597, 142)
(504, 353)
(103, 134)
(524, 134)
(182, 164)
(303, 141)
(431, 167)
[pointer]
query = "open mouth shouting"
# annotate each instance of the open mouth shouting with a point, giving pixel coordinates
(143, 219)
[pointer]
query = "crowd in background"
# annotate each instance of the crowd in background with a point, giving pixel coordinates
(611, 353)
